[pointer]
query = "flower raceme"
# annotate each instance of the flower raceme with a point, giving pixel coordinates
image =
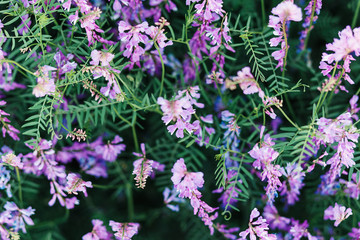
(75, 184)
(338, 213)
(341, 50)
(257, 228)
(143, 167)
(187, 184)
(265, 155)
(283, 13)
(124, 231)
(180, 111)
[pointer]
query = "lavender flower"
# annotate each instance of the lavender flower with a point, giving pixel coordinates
(300, 230)
(172, 196)
(274, 219)
(111, 150)
(258, 228)
(355, 232)
(311, 11)
(264, 156)
(98, 232)
(338, 213)
(124, 231)
(12, 160)
(16, 217)
(143, 167)
(348, 42)
(291, 187)
(186, 182)
(75, 184)
(284, 12)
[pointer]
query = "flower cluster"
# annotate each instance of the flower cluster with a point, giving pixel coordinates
(249, 85)
(180, 111)
(124, 231)
(294, 182)
(342, 49)
(143, 167)
(132, 36)
(257, 228)
(7, 128)
(187, 184)
(338, 213)
(312, 11)
(264, 156)
(283, 13)
(342, 131)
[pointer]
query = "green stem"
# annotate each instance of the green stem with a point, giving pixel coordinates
(355, 15)
(17, 64)
(286, 116)
(263, 13)
(162, 69)
(286, 44)
(321, 98)
(135, 138)
(311, 23)
(130, 201)
(20, 190)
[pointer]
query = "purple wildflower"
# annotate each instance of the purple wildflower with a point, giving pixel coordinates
(45, 82)
(75, 184)
(338, 213)
(186, 182)
(7, 128)
(355, 233)
(180, 110)
(227, 233)
(300, 230)
(143, 167)
(352, 188)
(264, 156)
(294, 182)
(111, 150)
(342, 49)
(16, 217)
(98, 232)
(124, 231)
(286, 11)
(312, 9)
(258, 228)
(172, 196)
(274, 219)
(12, 160)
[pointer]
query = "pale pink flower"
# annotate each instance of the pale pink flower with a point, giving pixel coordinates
(257, 228)
(104, 57)
(338, 213)
(12, 160)
(186, 182)
(124, 231)
(287, 11)
(75, 184)
(98, 232)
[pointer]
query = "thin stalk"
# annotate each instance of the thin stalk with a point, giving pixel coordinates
(129, 196)
(20, 189)
(287, 101)
(321, 98)
(311, 23)
(162, 69)
(17, 64)
(356, 15)
(286, 116)
(263, 13)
